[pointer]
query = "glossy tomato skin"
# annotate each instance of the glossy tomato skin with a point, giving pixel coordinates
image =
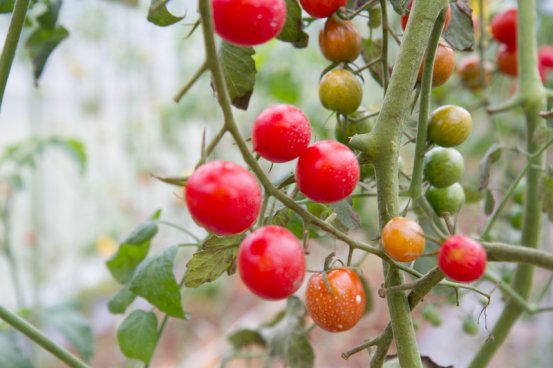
(462, 259)
(248, 22)
(469, 72)
(504, 28)
(444, 65)
(341, 91)
(449, 126)
(223, 197)
(507, 61)
(339, 308)
(340, 41)
(327, 172)
(271, 262)
(405, 18)
(281, 133)
(322, 8)
(403, 239)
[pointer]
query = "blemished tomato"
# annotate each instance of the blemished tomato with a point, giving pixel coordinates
(507, 61)
(470, 73)
(223, 197)
(339, 307)
(248, 22)
(322, 8)
(403, 239)
(449, 125)
(281, 133)
(341, 91)
(271, 262)
(327, 172)
(462, 259)
(340, 41)
(446, 200)
(405, 18)
(444, 65)
(443, 166)
(504, 28)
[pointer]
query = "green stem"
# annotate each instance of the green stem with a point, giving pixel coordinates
(41, 339)
(10, 44)
(8, 251)
(384, 52)
(191, 82)
(533, 101)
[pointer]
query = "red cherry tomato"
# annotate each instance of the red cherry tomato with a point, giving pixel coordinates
(271, 262)
(462, 259)
(327, 171)
(223, 197)
(504, 28)
(248, 22)
(339, 307)
(340, 41)
(281, 133)
(507, 61)
(545, 61)
(322, 8)
(405, 18)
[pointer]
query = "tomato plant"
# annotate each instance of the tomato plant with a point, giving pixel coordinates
(322, 9)
(339, 40)
(403, 239)
(223, 197)
(504, 28)
(462, 259)
(336, 305)
(327, 171)
(444, 65)
(449, 125)
(341, 91)
(443, 166)
(281, 133)
(271, 262)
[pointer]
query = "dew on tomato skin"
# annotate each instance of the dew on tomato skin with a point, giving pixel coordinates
(358, 299)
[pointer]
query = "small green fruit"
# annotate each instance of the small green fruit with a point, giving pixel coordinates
(446, 200)
(443, 166)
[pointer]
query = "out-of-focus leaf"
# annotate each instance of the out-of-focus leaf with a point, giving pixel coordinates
(49, 18)
(41, 43)
(73, 147)
(6, 6)
(489, 202)
(400, 6)
(493, 155)
(293, 27)
(371, 50)
(159, 15)
(460, 32)
(547, 196)
(119, 303)
(239, 69)
(243, 338)
(472, 194)
(10, 354)
(131, 3)
(137, 335)
(287, 218)
(347, 217)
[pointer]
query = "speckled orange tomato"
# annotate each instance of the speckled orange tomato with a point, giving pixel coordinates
(444, 65)
(340, 305)
(403, 239)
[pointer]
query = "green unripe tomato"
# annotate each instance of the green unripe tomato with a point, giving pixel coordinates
(449, 126)
(346, 128)
(470, 327)
(446, 200)
(375, 17)
(515, 218)
(432, 315)
(341, 91)
(443, 166)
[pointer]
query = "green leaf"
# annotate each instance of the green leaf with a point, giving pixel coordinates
(49, 18)
(243, 338)
(131, 252)
(131, 3)
(239, 69)
(217, 255)
(547, 196)
(472, 194)
(159, 15)
(137, 335)
(10, 354)
(400, 6)
(371, 50)
(73, 147)
(460, 32)
(67, 319)
(493, 155)
(489, 202)
(6, 6)
(289, 219)
(154, 281)
(346, 216)
(119, 303)
(293, 27)
(41, 43)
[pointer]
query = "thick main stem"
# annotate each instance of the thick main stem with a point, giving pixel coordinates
(532, 97)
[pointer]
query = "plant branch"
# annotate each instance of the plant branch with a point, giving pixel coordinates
(191, 82)
(508, 105)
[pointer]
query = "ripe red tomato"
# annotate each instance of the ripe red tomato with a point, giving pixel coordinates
(248, 22)
(462, 259)
(339, 307)
(271, 262)
(327, 172)
(504, 28)
(340, 41)
(322, 8)
(403, 239)
(507, 61)
(405, 18)
(545, 61)
(223, 197)
(281, 133)
(469, 73)
(444, 65)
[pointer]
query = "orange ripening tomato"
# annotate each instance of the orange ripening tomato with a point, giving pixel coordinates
(340, 41)
(444, 65)
(403, 239)
(507, 61)
(470, 73)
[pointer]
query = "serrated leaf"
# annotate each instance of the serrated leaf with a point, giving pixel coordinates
(243, 338)
(547, 196)
(154, 281)
(69, 321)
(489, 202)
(460, 32)
(41, 43)
(6, 6)
(137, 335)
(400, 6)
(10, 354)
(493, 155)
(346, 215)
(159, 15)
(239, 69)
(119, 303)
(49, 17)
(293, 27)
(217, 255)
